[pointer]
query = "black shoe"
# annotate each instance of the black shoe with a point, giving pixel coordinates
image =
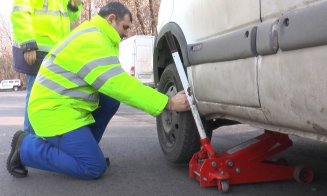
(14, 165)
(107, 161)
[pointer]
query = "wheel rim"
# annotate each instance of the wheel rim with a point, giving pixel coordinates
(170, 119)
(303, 175)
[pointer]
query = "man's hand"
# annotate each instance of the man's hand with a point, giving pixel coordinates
(30, 57)
(178, 103)
(75, 3)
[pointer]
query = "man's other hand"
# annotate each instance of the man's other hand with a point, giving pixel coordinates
(178, 103)
(75, 3)
(30, 57)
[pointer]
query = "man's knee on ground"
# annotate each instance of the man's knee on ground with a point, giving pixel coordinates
(94, 170)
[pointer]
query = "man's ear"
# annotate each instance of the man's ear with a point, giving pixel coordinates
(111, 18)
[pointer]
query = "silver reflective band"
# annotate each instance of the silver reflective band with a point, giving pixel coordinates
(86, 69)
(20, 9)
(16, 45)
(43, 48)
(62, 46)
(24, 43)
(45, 4)
(106, 76)
(48, 63)
(50, 12)
(64, 91)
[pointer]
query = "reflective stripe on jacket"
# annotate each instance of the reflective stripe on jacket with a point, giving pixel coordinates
(75, 70)
(39, 24)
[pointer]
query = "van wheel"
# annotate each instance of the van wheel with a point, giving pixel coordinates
(177, 133)
(15, 88)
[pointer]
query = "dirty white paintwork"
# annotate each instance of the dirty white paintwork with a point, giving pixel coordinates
(201, 20)
(275, 8)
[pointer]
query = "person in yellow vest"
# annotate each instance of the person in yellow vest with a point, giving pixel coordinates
(65, 96)
(37, 26)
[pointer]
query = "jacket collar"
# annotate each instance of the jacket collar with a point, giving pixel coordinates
(106, 29)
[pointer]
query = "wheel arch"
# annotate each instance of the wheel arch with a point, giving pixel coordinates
(161, 54)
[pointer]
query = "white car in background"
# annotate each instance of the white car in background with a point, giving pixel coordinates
(259, 62)
(14, 84)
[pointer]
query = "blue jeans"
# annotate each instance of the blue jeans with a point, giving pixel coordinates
(75, 153)
(27, 125)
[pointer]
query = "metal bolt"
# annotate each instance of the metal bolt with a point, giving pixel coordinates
(238, 170)
(213, 164)
(205, 179)
(230, 163)
(222, 173)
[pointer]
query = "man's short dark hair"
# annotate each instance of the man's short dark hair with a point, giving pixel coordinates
(116, 8)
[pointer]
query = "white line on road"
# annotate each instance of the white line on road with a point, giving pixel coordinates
(11, 106)
(11, 120)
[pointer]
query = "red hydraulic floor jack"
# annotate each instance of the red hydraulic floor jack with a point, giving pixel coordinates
(245, 163)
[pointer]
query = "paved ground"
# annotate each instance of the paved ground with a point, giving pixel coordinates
(138, 166)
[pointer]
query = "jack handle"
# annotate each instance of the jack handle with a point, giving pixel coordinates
(205, 142)
(171, 41)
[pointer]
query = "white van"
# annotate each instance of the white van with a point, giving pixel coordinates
(14, 84)
(259, 62)
(135, 56)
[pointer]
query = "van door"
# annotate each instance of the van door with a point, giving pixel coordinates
(127, 55)
(292, 80)
(144, 59)
(220, 36)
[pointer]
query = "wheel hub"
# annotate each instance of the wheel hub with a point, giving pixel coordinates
(170, 119)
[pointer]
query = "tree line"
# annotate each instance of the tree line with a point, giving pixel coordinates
(144, 13)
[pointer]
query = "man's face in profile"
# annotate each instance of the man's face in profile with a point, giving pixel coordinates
(122, 26)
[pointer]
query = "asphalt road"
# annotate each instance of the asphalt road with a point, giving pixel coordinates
(138, 166)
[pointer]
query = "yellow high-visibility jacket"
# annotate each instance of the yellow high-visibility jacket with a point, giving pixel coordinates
(86, 62)
(39, 24)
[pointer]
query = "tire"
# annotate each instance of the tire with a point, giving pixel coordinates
(177, 133)
(15, 88)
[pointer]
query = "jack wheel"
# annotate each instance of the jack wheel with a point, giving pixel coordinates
(223, 186)
(303, 175)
